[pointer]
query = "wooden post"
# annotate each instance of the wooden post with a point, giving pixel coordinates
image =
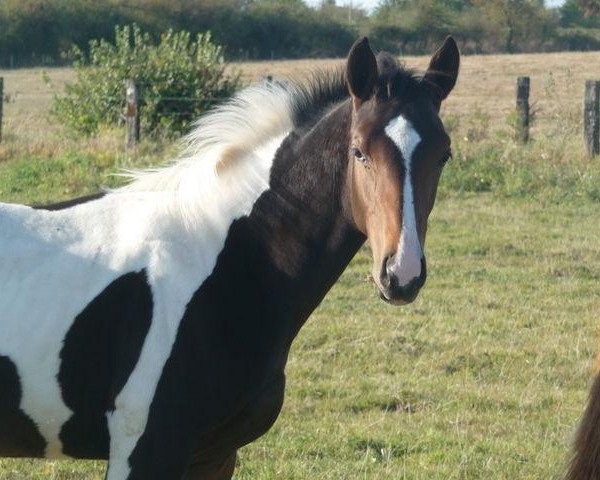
(522, 130)
(1, 104)
(132, 114)
(591, 117)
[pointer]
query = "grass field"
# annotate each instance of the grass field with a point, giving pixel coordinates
(486, 374)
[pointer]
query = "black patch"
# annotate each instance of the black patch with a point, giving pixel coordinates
(99, 353)
(70, 203)
(19, 436)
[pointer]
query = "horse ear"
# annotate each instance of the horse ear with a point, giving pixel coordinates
(361, 71)
(443, 68)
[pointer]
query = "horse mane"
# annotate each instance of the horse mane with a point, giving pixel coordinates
(222, 137)
(249, 119)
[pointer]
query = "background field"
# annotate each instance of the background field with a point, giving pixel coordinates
(486, 374)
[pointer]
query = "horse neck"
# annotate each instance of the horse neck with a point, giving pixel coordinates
(304, 220)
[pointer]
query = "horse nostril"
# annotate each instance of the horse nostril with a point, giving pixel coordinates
(393, 281)
(389, 261)
(385, 275)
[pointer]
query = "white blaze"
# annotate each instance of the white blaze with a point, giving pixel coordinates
(407, 265)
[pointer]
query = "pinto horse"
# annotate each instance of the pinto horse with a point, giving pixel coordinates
(151, 325)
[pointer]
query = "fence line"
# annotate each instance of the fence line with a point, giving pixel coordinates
(133, 102)
(187, 99)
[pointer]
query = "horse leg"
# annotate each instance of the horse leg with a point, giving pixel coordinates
(219, 470)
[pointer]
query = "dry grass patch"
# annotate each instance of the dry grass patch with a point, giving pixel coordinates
(486, 84)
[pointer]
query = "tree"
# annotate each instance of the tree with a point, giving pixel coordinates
(520, 21)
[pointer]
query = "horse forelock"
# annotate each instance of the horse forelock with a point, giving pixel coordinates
(395, 80)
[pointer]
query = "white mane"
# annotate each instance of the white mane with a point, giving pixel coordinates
(227, 134)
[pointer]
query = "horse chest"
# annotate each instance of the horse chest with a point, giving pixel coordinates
(248, 423)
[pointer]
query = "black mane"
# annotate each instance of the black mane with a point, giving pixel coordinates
(327, 88)
(322, 91)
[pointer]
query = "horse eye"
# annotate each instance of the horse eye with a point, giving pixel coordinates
(358, 154)
(447, 156)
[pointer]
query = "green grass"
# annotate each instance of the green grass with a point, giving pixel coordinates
(484, 376)
(75, 168)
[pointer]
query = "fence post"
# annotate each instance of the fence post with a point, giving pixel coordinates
(591, 117)
(132, 114)
(1, 104)
(522, 130)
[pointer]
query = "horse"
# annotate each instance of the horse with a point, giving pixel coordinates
(150, 325)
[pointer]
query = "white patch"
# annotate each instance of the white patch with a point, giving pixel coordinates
(172, 222)
(407, 265)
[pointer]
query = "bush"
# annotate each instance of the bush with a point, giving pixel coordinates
(177, 79)
(578, 38)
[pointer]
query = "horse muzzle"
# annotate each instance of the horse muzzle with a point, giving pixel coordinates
(395, 289)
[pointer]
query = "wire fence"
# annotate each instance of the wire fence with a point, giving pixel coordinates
(25, 95)
(171, 106)
(186, 107)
